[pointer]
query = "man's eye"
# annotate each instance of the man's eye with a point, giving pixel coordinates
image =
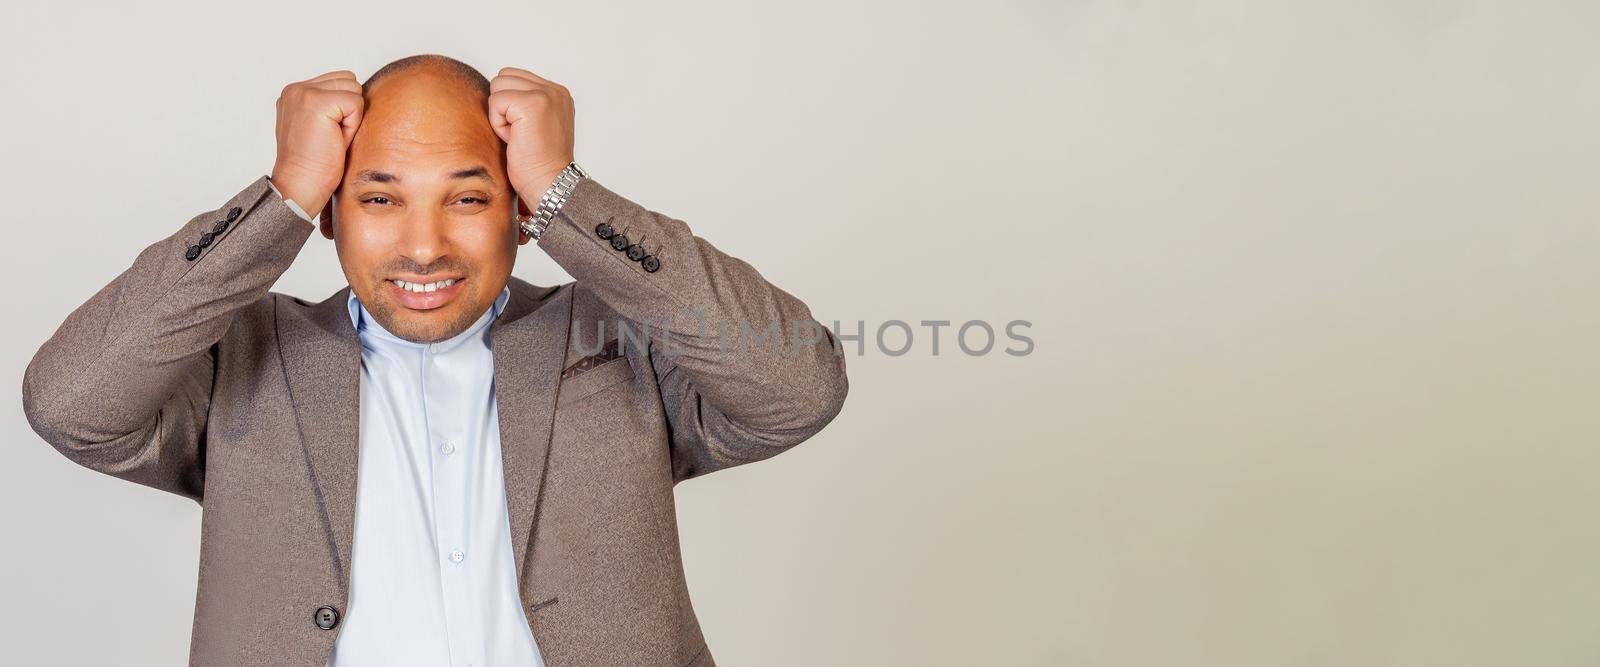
(375, 200)
(473, 200)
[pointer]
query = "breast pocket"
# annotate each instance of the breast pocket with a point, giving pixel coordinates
(594, 381)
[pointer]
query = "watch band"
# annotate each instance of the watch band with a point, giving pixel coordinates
(552, 200)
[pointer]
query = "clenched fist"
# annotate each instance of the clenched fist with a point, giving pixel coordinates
(534, 116)
(317, 118)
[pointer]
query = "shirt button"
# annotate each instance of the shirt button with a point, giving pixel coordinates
(457, 555)
(448, 447)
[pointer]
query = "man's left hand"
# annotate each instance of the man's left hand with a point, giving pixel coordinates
(534, 116)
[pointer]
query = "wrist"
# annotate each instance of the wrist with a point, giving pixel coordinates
(554, 196)
(531, 188)
(293, 188)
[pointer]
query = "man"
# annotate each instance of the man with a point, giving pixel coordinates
(440, 464)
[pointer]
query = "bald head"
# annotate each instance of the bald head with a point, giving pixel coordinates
(429, 99)
(463, 73)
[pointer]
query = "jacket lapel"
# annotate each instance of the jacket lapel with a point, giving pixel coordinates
(529, 341)
(322, 362)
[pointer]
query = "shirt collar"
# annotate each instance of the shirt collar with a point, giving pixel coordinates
(367, 326)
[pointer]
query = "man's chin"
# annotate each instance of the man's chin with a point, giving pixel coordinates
(425, 326)
(422, 328)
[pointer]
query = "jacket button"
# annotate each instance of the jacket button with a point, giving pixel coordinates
(326, 617)
(193, 252)
(650, 263)
(205, 239)
(636, 252)
(619, 242)
(220, 227)
(233, 213)
(604, 230)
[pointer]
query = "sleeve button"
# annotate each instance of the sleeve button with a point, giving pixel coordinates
(650, 263)
(619, 242)
(193, 252)
(604, 230)
(636, 252)
(205, 239)
(233, 213)
(220, 227)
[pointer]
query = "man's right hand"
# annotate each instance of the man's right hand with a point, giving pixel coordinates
(317, 118)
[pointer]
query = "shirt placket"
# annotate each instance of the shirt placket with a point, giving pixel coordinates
(445, 453)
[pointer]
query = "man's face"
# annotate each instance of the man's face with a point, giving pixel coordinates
(424, 226)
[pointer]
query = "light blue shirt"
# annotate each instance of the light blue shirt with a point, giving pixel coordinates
(292, 206)
(432, 580)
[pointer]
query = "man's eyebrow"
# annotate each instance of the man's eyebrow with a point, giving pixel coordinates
(473, 172)
(375, 176)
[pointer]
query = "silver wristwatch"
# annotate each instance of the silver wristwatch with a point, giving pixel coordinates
(554, 197)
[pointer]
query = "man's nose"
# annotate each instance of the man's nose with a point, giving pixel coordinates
(422, 238)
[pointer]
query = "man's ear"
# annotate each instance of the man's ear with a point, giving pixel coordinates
(327, 217)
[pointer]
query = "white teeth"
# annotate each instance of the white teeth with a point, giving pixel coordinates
(423, 287)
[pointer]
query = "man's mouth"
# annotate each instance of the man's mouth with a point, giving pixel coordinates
(424, 295)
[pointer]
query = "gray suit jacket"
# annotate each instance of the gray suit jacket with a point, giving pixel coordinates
(187, 375)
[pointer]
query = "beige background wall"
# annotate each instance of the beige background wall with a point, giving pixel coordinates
(1313, 289)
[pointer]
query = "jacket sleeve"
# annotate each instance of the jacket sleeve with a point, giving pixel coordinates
(744, 371)
(124, 385)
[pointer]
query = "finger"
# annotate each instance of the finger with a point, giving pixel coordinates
(518, 71)
(352, 119)
(498, 106)
(338, 84)
(501, 100)
(341, 106)
(353, 110)
(351, 125)
(512, 82)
